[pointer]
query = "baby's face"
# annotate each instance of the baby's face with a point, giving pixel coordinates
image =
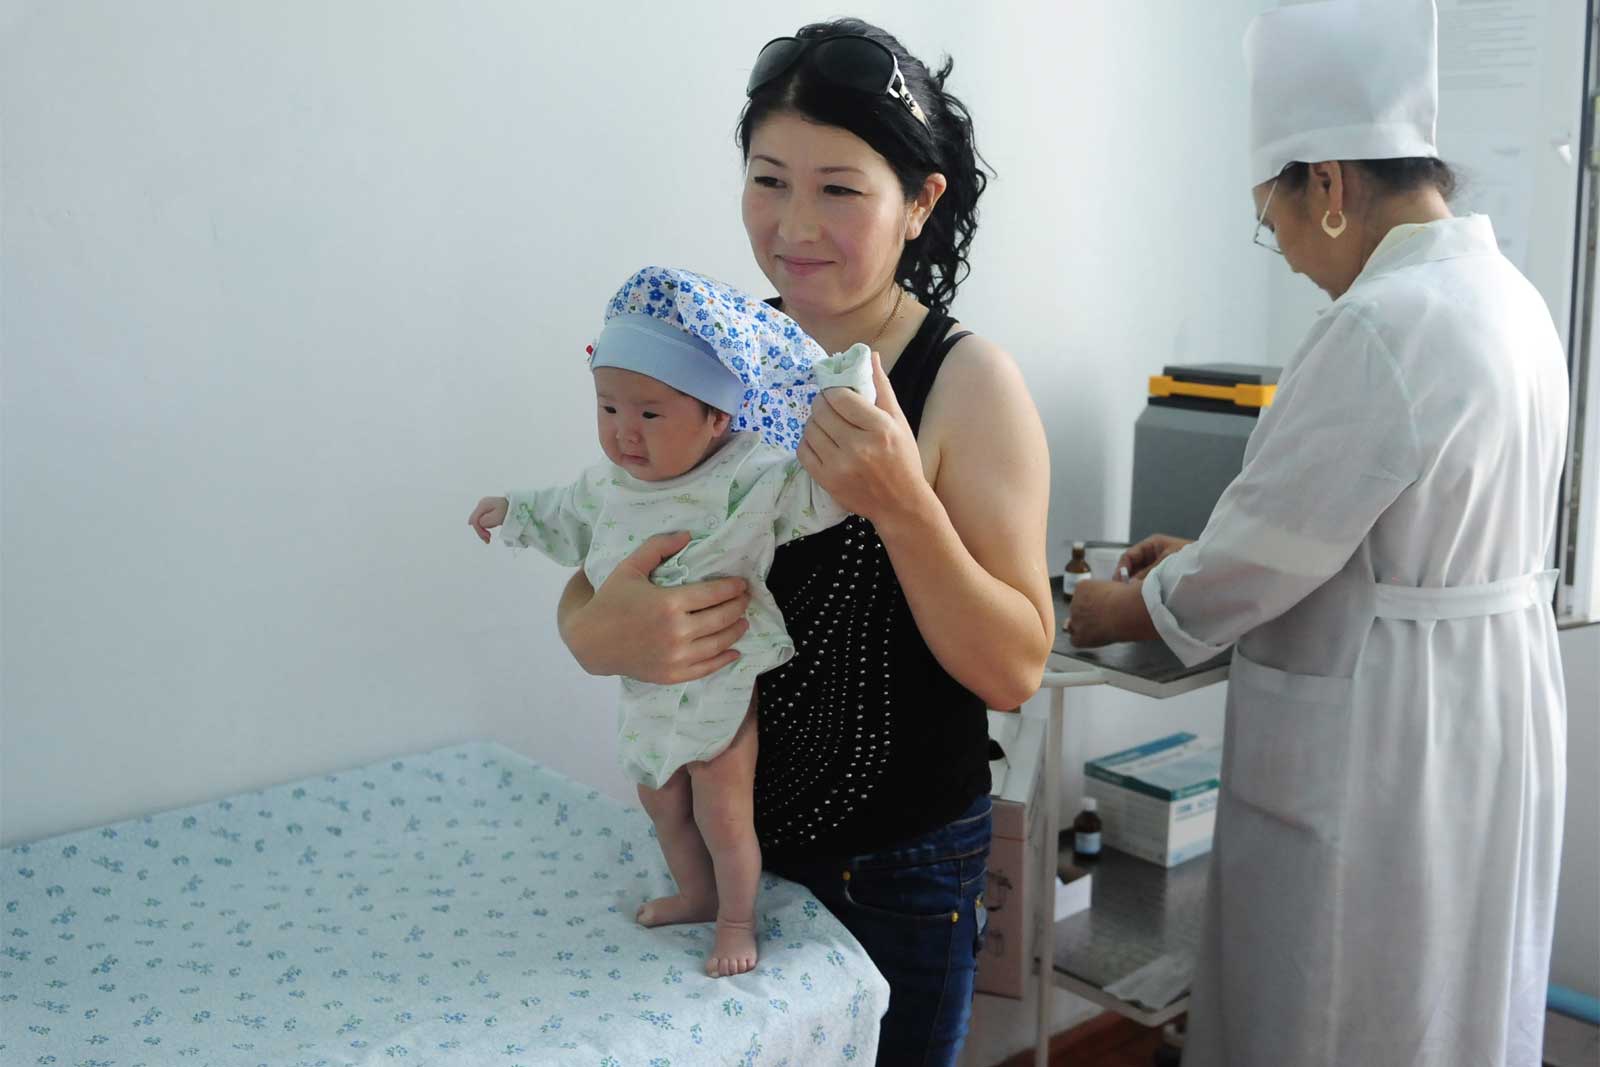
(649, 429)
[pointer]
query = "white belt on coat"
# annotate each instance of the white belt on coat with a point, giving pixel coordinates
(1465, 601)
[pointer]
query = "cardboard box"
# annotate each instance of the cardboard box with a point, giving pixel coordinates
(1016, 852)
(1159, 801)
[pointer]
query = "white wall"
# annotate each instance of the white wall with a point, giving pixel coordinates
(1117, 241)
(286, 287)
(1157, 267)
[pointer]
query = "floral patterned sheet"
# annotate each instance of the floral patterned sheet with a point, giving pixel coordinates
(464, 906)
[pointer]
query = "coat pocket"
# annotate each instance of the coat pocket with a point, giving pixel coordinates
(1288, 742)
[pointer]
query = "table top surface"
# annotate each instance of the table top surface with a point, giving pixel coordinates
(1146, 667)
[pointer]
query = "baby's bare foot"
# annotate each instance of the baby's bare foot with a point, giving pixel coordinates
(665, 911)
(734, 951)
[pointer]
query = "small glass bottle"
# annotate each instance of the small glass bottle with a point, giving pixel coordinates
(1086, 833)
(1077, 569)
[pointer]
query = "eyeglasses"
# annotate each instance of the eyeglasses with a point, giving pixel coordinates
(1271, 241)
(848, 61)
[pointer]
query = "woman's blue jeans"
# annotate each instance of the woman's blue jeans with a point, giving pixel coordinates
(917, 908)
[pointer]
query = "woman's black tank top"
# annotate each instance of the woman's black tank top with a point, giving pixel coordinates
(864, 738)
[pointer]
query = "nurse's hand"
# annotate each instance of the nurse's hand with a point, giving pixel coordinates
(1147, 553)
(864, 454)
(1107, 612)
(633, 627)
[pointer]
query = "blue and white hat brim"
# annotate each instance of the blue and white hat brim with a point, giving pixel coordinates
(645, 345)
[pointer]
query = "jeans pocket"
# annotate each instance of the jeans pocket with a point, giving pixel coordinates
(923, 892)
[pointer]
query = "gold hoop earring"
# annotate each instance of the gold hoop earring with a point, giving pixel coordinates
(1334, 231)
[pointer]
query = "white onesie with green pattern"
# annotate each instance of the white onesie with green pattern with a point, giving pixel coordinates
(739, 506)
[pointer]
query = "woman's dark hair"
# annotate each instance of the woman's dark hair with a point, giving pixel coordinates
(1391, 176)
(935, 264)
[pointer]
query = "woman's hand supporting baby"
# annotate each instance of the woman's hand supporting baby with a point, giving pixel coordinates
(632, 627)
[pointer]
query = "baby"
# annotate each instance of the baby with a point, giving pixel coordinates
(702, 394)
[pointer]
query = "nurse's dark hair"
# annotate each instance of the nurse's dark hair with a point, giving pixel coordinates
(1405, 175)
(934, 265)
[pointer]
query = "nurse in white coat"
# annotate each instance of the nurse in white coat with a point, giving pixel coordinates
(1383, 879)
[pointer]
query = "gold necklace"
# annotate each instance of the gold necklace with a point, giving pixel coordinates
(899, 295)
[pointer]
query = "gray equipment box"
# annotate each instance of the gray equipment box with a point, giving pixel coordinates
(1188, 444)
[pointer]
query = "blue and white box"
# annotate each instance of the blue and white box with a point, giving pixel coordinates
(1159, 801)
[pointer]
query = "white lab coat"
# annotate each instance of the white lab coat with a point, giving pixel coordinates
(1383, 880)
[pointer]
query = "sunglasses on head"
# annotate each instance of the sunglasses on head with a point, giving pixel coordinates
(848, 61)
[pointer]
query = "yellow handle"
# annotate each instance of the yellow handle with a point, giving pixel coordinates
(1245, 396)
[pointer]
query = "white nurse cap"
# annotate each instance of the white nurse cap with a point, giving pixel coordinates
(1342, 79)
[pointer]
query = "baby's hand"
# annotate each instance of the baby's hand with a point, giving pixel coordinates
(490, 512)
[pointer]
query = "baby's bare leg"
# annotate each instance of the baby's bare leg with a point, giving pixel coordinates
(671, 808)
(724, 809)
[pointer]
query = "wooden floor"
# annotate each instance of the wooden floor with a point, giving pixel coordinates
(1105, 1041)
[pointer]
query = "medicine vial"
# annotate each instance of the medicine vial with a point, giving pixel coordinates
(1086, 832)
(1077, 569)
